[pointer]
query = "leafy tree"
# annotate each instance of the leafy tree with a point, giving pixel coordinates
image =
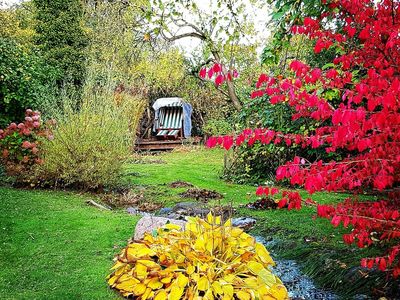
(286, 14)
(224, 24)
(116, 43)
(61, 37)
(363, 119)
(17, 23)
(25, 79)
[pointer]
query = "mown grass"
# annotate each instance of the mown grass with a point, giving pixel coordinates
(55, 246)
(202, 168)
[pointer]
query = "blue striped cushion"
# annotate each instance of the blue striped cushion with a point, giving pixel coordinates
(162, 132)
(173, 132)
(171, 117)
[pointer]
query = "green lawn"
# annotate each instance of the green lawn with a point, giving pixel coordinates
(54, 246)
(203, 168)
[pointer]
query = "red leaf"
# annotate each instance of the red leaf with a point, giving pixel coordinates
(274, 191)
(282, 203)
(219, 79)
(259, 191)
(217, 68)
(211, 142)
(203, 73)
(382, 264)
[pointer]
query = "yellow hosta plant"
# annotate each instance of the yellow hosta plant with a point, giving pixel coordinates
(207, 260)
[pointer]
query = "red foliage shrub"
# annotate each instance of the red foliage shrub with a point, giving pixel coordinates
(364, 121)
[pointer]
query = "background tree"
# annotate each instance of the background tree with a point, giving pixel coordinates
(221, 25)
(61, 37)
(26, 80)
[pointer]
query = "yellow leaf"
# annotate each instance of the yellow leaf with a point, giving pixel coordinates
(176, 293)
(208, 295)
(229, 278)
(155, 284)
(122, 270)
(118, 264)
(161, 295)
(147, 294)
(228, 290)
(200, 244)
(195, 277)
(141, 271)
(251, 283)
(217, 288)
(139, 289)
(148, 263)
(263, 254)
(210, 218)
(171, 226)
(236, 231)
(180, 259)
(267, 277)
(171, 268)
(135, 251)
(112, 280)
(242, 295)
(182, 280)
(228, 223)
(166, 280)
(189, 295)
(191, 227)
(203, 284)
(210, 245)
(190, 269)
(279, 292)
(255, 267)
(267, 297)
(127, 285)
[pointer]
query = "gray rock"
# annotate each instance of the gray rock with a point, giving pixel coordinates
(135, 211)
(185, 206)
(132, 211)
(244, 223)
(165, 211)
(149, 223)
(184, 209)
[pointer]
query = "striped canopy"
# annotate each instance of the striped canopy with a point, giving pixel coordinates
(170, 118)
(173, 113)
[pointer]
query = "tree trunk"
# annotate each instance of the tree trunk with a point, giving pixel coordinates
(231, 88)
(232, 96)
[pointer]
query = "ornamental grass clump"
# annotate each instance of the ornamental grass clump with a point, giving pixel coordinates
(206, 260)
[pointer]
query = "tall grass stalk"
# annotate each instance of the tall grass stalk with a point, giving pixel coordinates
(92, 138)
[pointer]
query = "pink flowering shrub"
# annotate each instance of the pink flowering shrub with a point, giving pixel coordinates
(20, 145)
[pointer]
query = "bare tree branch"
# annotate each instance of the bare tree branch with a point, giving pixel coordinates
(181, 36)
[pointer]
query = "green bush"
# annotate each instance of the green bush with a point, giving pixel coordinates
(256, 164)
(90, 145)
(214, 127)
(25, 80)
